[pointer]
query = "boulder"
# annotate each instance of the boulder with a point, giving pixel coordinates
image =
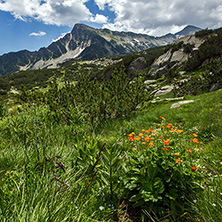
(214, 87)
(149, 81)
(176, 105)
(164, 90)
(137, 65)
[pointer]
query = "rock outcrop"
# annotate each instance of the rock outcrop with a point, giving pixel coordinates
(176, 56)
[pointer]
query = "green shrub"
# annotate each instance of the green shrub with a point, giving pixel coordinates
(162, 170)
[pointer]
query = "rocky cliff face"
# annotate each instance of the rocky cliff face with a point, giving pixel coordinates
(175, 56)
(82, 42)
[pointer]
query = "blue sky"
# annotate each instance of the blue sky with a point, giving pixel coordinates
(32, 24)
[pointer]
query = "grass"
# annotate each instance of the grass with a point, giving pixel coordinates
(59, 172)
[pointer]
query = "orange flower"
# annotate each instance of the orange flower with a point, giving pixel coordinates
(162, 118)
(159, 137)
(130, 137)
(176, 154)
(193, 168)
(179, 131)
(195, 134)
(163, 127)
(165, 149)
(172, 130)
(143, 143)
(166, 142)
(197, 149)
(195, 140)
(143, 130)
(147, 139)
(189, 151)
(148, 131)
(169, 125)
(152, 138)
(151, 144)
(178, 160)
(137, 138)
(141, 134)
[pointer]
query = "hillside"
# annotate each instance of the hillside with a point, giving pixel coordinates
(133, 137)
(191, 57)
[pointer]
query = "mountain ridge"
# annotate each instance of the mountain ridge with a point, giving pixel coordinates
(83, 42)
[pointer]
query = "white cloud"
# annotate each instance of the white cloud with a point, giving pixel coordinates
(40, 33)
(154, 17)
(158, 17)
(57, 12)
(99, 19)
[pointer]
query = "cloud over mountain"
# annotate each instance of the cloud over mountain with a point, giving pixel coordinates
(158, 17)
(153, 17)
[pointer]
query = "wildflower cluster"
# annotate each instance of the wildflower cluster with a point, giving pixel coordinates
(162, 165)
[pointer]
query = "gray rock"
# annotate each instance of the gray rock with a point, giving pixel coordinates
(163, 91)
(176, 105)
(166, 99)
(137, 65)
(214, 87)
(149, 81)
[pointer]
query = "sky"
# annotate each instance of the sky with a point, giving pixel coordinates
(32, 24)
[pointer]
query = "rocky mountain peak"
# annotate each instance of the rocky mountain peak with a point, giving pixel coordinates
(86, 43)
(81, 27)
(188, 30)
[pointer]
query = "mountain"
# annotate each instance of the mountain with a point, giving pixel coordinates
(188, 30)
(86, 43)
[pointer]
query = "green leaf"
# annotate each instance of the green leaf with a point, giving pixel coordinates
(135, 197)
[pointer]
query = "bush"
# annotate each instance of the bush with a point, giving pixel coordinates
(162, 170)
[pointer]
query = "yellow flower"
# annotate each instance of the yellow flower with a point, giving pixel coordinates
(134, 148)
(143, 130)
(151, 144)
(141, 134)
(195, 134)
(176, 154)
(197, 149)
(162, 118)
(143, 143)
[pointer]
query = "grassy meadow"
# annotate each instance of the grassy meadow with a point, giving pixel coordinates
(157, 164)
